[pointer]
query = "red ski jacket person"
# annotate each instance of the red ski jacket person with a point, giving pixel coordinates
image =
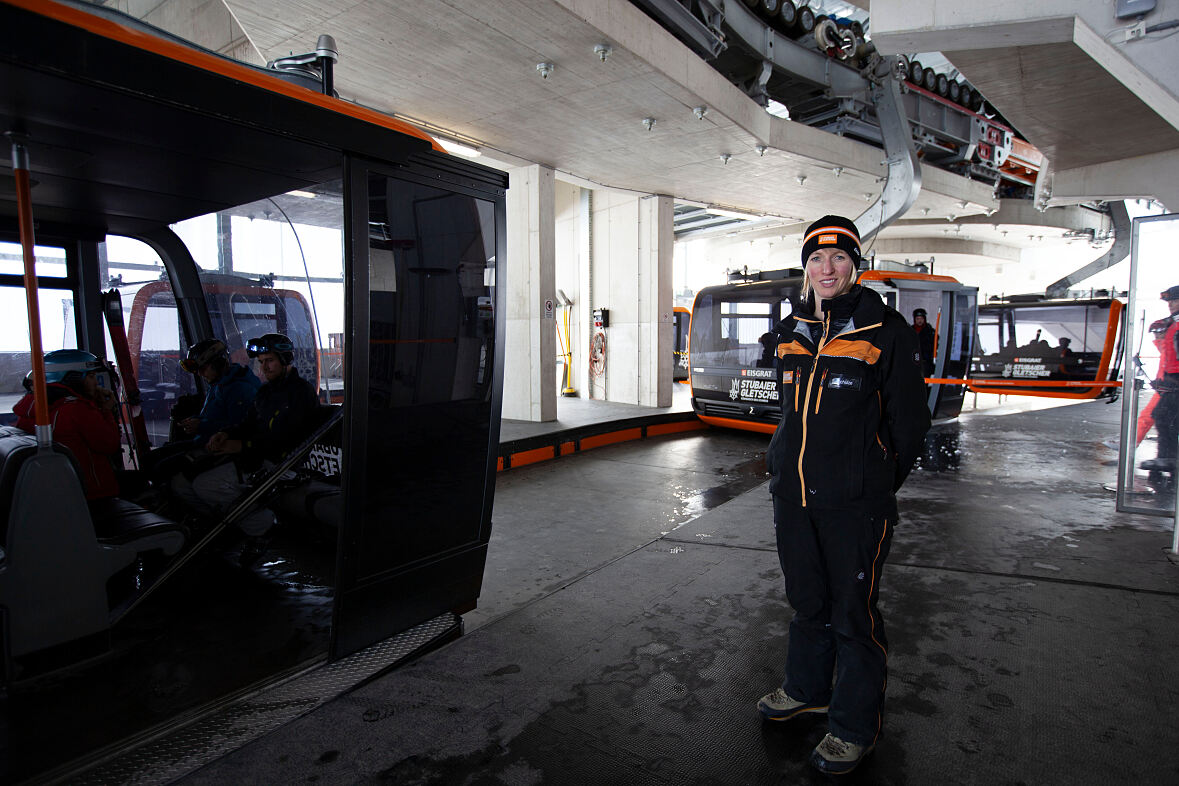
(1166, 412)
(82, 416)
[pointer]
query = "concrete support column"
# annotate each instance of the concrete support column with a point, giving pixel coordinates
(656, 246)
(633, 242)
(530, 352)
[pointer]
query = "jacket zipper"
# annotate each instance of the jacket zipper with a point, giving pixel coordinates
(880, 419)
(807, 403)
(819, 398)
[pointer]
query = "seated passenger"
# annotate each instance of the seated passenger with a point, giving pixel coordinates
(769, 346)
(279, 418)
(1067, 362)
(82, 415)
(232, 388)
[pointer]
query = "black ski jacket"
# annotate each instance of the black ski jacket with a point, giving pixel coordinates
(279, 418)
(854, 412)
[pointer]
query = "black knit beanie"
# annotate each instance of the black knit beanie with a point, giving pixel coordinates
(832, 232)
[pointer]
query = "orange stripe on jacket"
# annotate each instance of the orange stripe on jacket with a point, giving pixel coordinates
(793, 348)
(846, 348)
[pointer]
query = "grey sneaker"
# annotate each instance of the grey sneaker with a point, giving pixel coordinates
(778, 706)
(834, 756)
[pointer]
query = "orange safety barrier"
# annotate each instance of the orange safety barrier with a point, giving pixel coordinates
(1039, 383)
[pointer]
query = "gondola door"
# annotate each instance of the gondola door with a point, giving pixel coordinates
(424, 374)
(952, 310)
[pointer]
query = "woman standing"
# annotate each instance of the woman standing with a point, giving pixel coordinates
(853, 421)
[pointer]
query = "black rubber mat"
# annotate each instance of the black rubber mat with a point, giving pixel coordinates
(1031, 631)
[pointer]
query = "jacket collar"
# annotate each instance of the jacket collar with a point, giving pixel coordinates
(235, 372)
(859, 303)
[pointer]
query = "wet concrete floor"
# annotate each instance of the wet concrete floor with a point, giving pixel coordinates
(623, 640)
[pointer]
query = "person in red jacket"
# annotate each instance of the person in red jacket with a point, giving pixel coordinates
(82, 415)
(1166, 411)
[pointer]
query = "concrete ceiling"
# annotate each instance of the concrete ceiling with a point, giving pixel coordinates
(970, 240)
(1076, 111)
(1099, 100)
(470, 71)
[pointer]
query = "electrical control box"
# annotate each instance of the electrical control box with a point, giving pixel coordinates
(1132, 8)
(601, 318)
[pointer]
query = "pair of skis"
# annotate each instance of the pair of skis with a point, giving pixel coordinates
(112, 309)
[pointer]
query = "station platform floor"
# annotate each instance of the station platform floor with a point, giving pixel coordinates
(633, 612)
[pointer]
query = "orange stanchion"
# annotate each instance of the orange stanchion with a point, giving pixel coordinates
(24, 206)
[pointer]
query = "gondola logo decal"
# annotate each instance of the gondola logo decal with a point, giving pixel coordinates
(760, 390)
(1026, 367)
(325, 459)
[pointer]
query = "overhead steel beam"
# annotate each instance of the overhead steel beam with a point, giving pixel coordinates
(903, 182)
(1117, 252)
(785, 55)
(704, 38)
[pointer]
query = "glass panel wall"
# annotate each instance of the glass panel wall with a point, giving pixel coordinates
(58, 331)
(431, 264)
(1150, 402)
(277, 265)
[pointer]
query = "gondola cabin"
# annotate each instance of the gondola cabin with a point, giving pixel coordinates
(158, 195)
(733, 375)
(1058, 348)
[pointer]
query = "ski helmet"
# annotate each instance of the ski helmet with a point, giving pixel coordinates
(203, 353)
(272, 342)
(69, 366)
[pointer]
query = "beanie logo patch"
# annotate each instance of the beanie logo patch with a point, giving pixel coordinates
(825, 239)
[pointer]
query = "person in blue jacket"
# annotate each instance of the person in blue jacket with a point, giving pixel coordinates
(232, 389)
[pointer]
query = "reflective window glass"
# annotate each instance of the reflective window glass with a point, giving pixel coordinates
(431, 265)
(276, 265)
(50, 261)
(1148, 445)
(58, 331)
(726, 329)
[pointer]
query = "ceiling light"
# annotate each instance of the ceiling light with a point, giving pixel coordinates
(603, 51)
(304, 194)
(545, 69)
(458, 148)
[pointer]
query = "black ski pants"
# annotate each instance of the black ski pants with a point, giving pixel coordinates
(837, 652)
(1166, 416)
